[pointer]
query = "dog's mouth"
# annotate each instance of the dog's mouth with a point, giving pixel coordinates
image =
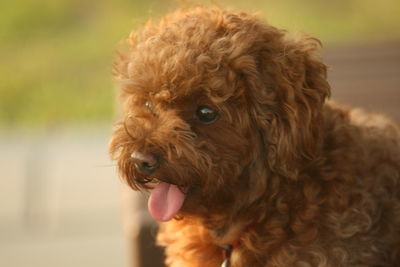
(165, 201)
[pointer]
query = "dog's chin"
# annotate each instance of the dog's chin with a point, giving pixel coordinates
(173, 199)
(169, 201)
(195, 204)
(167, 197)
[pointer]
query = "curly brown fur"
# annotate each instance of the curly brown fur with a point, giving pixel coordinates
(297, 180)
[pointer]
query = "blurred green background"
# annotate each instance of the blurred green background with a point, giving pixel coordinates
(56, 56)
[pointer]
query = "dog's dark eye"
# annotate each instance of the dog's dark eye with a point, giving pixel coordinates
(206, 115)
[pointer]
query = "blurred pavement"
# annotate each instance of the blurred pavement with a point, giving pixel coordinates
(59, 200)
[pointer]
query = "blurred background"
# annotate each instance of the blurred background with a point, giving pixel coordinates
(60, 196)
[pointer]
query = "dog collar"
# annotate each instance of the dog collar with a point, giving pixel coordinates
(226, 253)
(227, 249)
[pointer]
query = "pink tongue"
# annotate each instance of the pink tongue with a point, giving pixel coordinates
(165, 201)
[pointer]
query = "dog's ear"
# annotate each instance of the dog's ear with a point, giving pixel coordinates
(286, 100)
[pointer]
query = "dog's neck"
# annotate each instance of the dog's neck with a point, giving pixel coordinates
(227, 228)
(229, 234)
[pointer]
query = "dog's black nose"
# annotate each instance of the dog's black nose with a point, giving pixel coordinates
(146, 163)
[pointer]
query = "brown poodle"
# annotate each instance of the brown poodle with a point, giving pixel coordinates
(225, 122)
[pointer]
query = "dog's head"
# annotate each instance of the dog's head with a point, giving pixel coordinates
(214, 103)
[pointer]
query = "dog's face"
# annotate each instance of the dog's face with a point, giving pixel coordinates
(210, 100)
(194, 140)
